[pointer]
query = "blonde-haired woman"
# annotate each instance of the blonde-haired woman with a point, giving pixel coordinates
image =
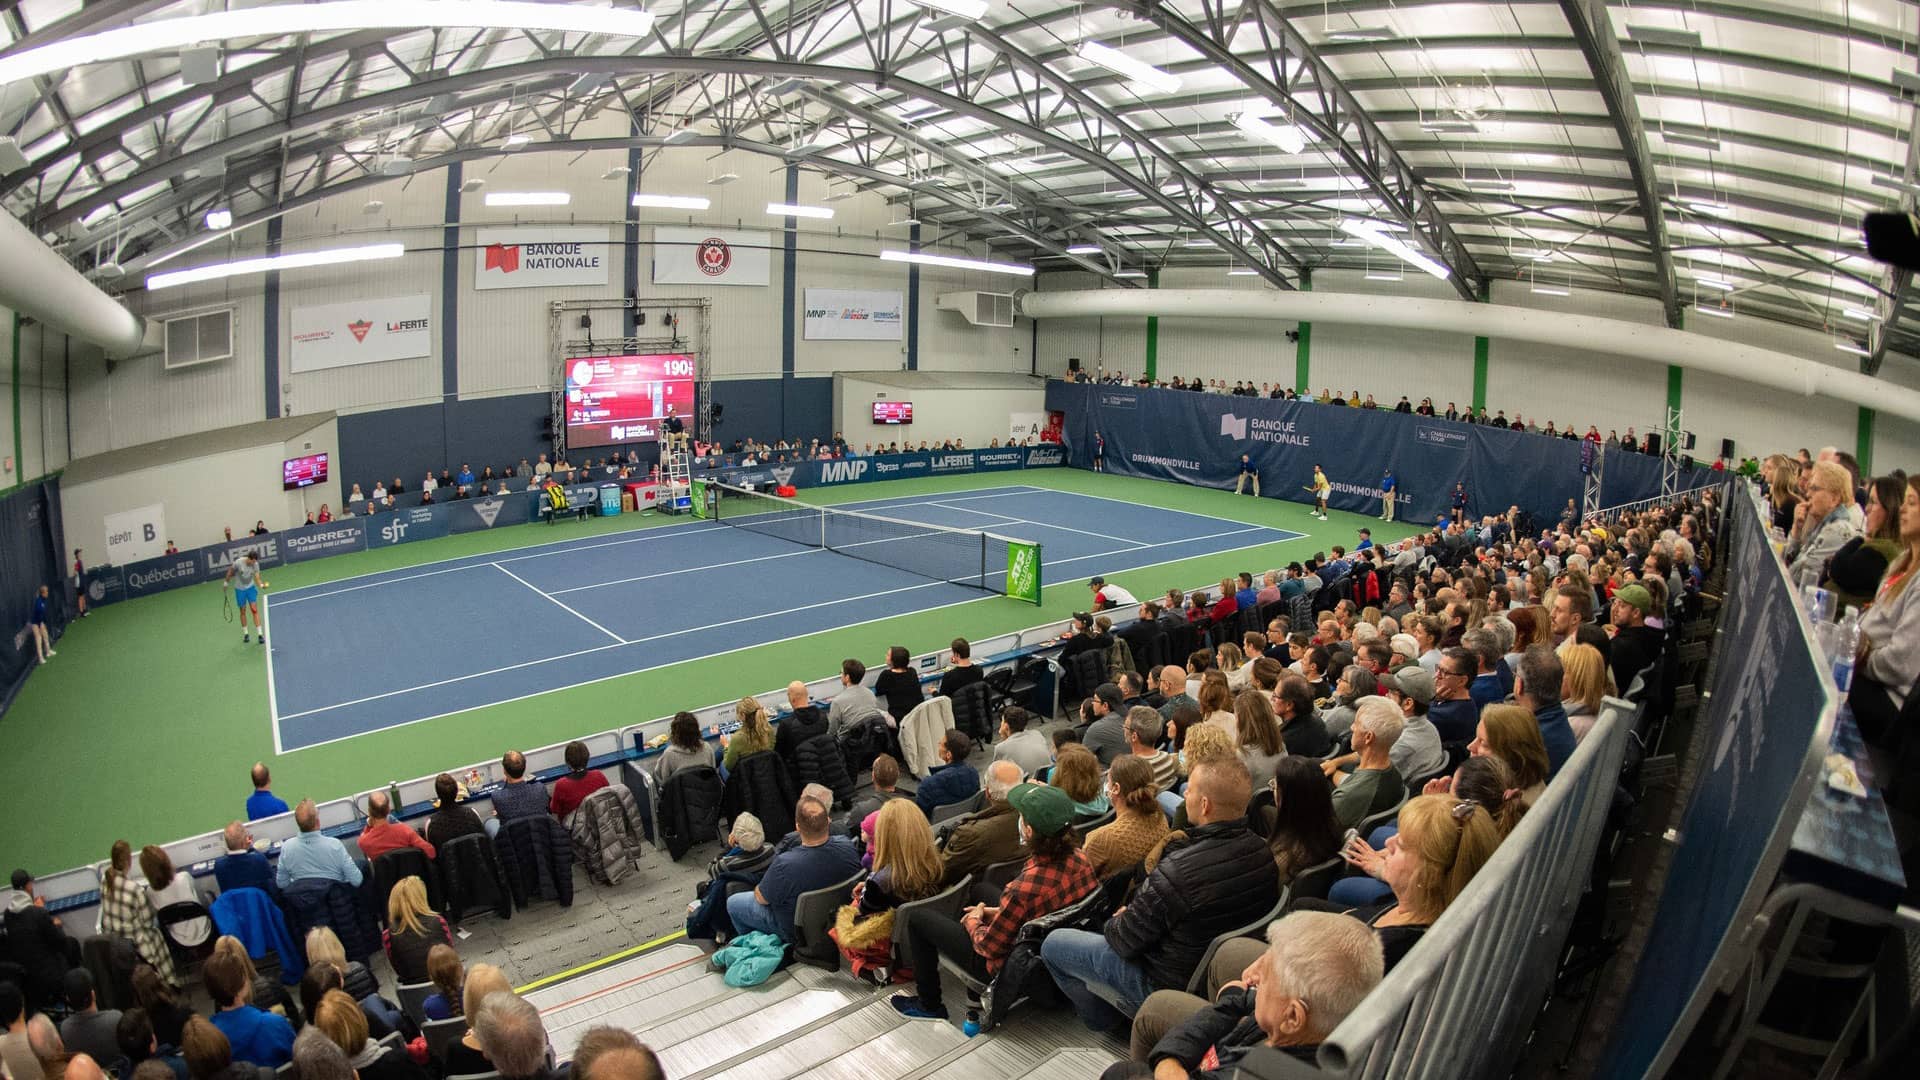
(125, 912)
(1442, 843)
(1216, 703)
(1233, 664)
(1584, 681)
(755, 734)
(413, 929)
(464, 1056)
(324, 947)
(906, 867)
(1827, 523)
(1510, 733)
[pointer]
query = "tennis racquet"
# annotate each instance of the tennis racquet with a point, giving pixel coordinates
(226, 600)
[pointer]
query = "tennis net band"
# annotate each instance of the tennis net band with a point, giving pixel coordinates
(967, 557)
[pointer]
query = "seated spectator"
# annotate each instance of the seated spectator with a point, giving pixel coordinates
(342, 1022)
(898, 685)
(1831, 519)
(135, 1039)
(1056, 875)
(465, 1056)
(254, 1034)
(803, 721)
(1486, 687)
(1257, 734)
(1103, 729)
(886, 774)
(1537, 689)
(1138, 825)
(413, 929)
(820, 860)
(906, 867)
(1077, 772)
(685, 749)
(1889, 661)
(1636, 645)
(263, 803)
(1301, 728)
(125, 912)
(1225, 607)
(450, 819)
(990, 836)
(323, 947)
(35, 940)
(517, 798)
(1443, 841)
(242, 867)
(953, 780)
(446, 974)
(572, 789)
(1145, 730)
(1510, 733)
(1215, 876)
(605, 1052)
(1418, 752)
(87, 1029)
(854, 702)
(755, 734)
(382, 834)
(166, 886)
(15, 1051)
(1375, 784)
(511, 1034)
(1584, 681)
(1317, 968)
(961, 671)
(1020, 743)
(1173, 688)
(1453, 710)
(313, 855)
(315, 1057)
(210, 1056)
(163, 1006)
(1304, 832)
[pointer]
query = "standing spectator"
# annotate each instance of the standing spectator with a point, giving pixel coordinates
(898, 685)
(263, 803)
(80, 582)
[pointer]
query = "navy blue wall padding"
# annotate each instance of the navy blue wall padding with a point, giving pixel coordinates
(1197, 438)
(32, 554)
(753, 408)
(406, 442)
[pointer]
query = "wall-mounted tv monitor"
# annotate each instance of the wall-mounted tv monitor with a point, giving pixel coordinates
(303, 471)
(624, 399)
(893, 412)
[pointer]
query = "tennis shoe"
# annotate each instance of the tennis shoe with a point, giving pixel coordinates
(909, 1006)
(245, 638)
(263, 639)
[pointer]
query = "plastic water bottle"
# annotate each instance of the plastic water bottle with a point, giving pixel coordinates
(972, 1026)
(1846, 645)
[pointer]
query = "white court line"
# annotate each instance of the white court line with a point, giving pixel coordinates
(683, 570)
(560, 604)
(968, 510)
(655, 533)
(631, 641)
(273, 701)
(1150, 506)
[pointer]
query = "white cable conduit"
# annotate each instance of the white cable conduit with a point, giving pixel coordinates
(38, 283)
(1636, 341)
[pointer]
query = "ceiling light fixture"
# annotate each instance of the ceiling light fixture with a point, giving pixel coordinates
(841, 195)
(678, 136)
(1715, 209)
(286, 20)
(951, 262)
(971, 10)
(1287, 137)
(1714, 283)
(1896, 184)
(808, 147)
(219, 219)
(1120, 63)
(723, 179)
(1083, 249)
(528, 198)
(1440, 125)
(1850, 347)
(906, 222)
(1718, 313)
(1369, 232)
(301, 260)
(1681, 138)
(1242, 271)
(1363, 33)
(671, 202)
(1681, 38)
(472, 184)
(515, 140)
(1858, 315)
(1130, 273)
(616, 172)
(798, 210)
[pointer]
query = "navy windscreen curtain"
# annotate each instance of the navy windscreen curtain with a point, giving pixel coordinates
(30, 556)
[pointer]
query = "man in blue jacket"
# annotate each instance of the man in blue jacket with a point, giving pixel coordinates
(952, 781)
(242, 867)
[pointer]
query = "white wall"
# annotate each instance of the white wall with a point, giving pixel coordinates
(1545, 383)
(974, 408)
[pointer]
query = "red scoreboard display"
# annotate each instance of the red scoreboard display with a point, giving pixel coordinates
(893, 412)
(303, 471)
(624, 399)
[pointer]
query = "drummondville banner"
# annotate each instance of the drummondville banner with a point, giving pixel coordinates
(711, 256)
(854, 315)
(361, 332)
(528, 258)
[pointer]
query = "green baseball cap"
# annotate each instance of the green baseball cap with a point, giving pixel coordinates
(1635, 596)
(1047, 810)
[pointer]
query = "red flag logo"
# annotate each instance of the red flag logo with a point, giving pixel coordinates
(360, 329)
(503, 257)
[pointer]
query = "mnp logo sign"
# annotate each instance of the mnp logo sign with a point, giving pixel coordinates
(846, 471)
(1232, 426)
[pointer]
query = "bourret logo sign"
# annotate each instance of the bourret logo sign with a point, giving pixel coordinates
(360, 329)
(714, 256)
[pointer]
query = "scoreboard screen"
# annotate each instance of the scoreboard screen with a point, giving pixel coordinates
(303, 471)
(893, 412)
(624, 399)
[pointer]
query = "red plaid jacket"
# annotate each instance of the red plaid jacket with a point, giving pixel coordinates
(1043, 887)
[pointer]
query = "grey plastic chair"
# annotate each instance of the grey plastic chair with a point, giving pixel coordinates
(413, 999)
(813, 916)
(949, 900)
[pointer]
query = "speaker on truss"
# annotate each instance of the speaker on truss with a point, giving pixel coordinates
(1653, 443)
(714, 409)
(1073, 364)
(1726, 449)
(1686, 461)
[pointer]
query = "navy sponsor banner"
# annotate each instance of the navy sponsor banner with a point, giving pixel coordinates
(998, 460)
(150, 576)
(950, 461)
(215, 558)
(406, 526)
(106, 585)
(473, 515)
(1045, 456)
(319, 541)
(856, 470)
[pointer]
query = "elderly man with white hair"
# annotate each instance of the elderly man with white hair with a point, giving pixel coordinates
(1316, 969)
(1375, 785)
(992, 835)
(508, 1028)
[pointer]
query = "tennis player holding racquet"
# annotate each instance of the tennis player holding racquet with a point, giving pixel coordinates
(1320, 488)
(245, 580)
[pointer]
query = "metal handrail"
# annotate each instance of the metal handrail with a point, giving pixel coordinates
(1607, 511)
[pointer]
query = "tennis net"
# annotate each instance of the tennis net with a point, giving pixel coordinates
(967, 557)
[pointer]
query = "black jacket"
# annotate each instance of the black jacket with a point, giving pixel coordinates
(818, 761)
(471, 877)
(324, 902)
(1217, 877)
(537, 856)
(42, 949)
(1634, 649)
(900, 690)
(689, 810)
(1306, 736)
(804, 724)
(1228, 1029)
(1139, 637)
(761, 785)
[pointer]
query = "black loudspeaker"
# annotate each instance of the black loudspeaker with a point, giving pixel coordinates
(1073, 363)
(1686, 461)
(1687, 440)
(1653, 444)
(1726, 449)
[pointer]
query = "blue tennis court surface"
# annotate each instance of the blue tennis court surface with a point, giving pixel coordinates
(364, 654)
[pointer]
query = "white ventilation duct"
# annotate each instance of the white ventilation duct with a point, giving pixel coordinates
(38, 283)
(1631, 340)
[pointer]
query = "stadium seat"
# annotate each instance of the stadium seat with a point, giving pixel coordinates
(1313, 882)
(1384, 817)
(813, 914)
(471, 878)
(170, 917)
(391, 867)
(948, 900)
(1197, 985)
(1085, 827)
(998, 874)
(413, 999)
(1261, 812)
(971, 804)
(441, 1034)
(973, 711)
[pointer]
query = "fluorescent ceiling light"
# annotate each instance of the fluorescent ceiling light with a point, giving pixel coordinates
(1551, 290)
(472, 184)
(1393, 245)
(678, 135)
(325, 257)
(1287, 137)
(1130, 274)
(1198, 242)
(1242, 271)
(905, 222)
(671, 202)
(1681, 138)
(283, 20)
(841, 195)
(1718, 313)
(219, 219)
(1661, 35)
(915, 112)
(723, 179)
(1438, 126)
(1137, 71)
(515, 140)
(1490, 185)
(1543, 255)
(528, 198)
(1700, 206)
(1382, 275)
(924, 259)
(372, 207)
(966, 9)
(785, 87)
(1850, 347)
(807, 147)
(1859, 315)
(798, 210)
(1363, 33)
(1083, 249)
(615, 173)
(1714, 283)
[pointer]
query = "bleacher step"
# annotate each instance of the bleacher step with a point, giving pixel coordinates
(1071, 1065)
(871, 1043)
(738, 1027)
(1013, 1053)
